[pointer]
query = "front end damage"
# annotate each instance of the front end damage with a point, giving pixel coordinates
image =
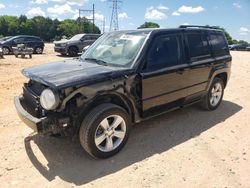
(33, 115)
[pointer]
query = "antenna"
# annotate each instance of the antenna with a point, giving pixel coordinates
(114, 25)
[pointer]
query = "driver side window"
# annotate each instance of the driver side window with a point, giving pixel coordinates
(165, 52)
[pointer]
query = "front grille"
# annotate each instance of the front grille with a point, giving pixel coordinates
(31, 98)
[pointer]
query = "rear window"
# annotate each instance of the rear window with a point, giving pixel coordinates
(219, 44)
(198, 46)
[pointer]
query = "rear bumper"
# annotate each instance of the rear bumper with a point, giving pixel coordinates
(43, 125)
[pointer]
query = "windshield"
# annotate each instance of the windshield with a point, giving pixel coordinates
(117, 48)
(77, 37)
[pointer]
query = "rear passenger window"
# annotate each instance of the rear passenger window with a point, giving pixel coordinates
(165, 52)
(219, 44)
(198, 46)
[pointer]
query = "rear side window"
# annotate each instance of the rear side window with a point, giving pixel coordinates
(198, 46)
(219, 44)
(165, 52)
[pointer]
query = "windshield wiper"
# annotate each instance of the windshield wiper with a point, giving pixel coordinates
(98, 61)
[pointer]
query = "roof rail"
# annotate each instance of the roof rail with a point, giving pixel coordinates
(197, 26)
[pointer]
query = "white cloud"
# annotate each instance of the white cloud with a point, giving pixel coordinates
(237, 5)
(190, 9)
(72, 2)
(36, 11)
(244, 31)
(39, 1)
(161, 7)
(2, 6)
(155, 14)
(175, 13)
(60, 9)
(123, 16)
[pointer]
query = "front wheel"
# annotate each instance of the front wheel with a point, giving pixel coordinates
(73, 51)
(105, 130)
(6, 51)
(214, 96)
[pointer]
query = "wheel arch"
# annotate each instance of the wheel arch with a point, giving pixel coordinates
(113, 98)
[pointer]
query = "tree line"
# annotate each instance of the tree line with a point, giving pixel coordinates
(53, 29)
(46, 28)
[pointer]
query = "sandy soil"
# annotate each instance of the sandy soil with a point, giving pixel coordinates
(184, 148)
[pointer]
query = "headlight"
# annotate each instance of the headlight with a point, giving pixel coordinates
(49, 99)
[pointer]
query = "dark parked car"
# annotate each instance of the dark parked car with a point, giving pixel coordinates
(239, 47)
(75, 45)
(5, 38)
(30, 41)
(123, 78)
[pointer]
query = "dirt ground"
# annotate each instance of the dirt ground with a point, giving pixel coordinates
(184, 148)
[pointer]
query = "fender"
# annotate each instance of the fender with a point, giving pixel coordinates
(218, 68)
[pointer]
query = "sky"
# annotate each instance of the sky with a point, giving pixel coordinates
(233, 15)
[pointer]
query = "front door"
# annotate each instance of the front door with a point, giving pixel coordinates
(165, 76)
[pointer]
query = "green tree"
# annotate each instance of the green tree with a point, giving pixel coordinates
(149, 25)
(46, 28)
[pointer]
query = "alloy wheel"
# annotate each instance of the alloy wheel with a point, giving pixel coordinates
(110, 133)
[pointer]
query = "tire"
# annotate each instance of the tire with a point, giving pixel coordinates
(93, 137)
(73, 51)
(6, 51)
(38, 50)
(213, 98)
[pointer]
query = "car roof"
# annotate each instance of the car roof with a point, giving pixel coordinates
(26, 36)
(155, 30)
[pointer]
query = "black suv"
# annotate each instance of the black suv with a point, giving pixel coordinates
(76, 44)
(124, 78)
(30, 41)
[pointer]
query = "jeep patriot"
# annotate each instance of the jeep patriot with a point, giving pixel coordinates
(123, 78)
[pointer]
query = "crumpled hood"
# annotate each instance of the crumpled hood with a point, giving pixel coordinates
(69, 72)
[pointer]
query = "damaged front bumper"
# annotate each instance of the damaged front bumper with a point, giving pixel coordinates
(45, 125)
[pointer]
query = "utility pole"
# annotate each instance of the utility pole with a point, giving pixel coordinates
(82, 11)
(114, 25)
(103, 26)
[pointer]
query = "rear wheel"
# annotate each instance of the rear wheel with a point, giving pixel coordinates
(214, 96)
(73, 51)
(105, 130)
(38, 50)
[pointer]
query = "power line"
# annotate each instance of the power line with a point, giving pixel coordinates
(84, 18)
(114, 25)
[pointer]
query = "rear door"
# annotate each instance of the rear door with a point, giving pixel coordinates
(200, 60)
(165, 76)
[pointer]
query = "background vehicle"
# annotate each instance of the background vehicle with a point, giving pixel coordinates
(5, 38)
(242, 47)
(123, 78)
(30, 41)
(76, 44)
